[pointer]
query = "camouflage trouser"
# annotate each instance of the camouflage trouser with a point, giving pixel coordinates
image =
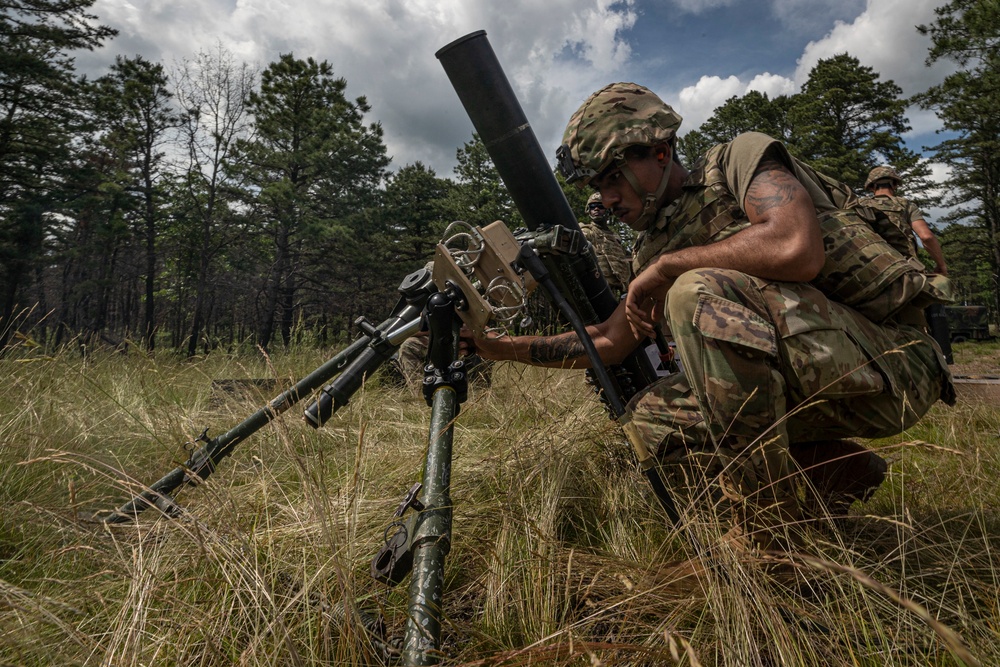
(766, 364)
(412, 356)
(411, 359)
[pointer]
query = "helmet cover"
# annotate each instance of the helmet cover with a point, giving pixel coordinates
(882, 174)
(609, 121)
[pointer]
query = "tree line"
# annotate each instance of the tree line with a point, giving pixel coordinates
(216, 205)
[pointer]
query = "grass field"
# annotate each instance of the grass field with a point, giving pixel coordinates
(560, 555)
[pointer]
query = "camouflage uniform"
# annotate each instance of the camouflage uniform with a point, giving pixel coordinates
(611, 257)
(892, 216)
(767, 363)
(899, 213)
(411, 358)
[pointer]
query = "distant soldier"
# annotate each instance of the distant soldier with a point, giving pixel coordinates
(615, 264)
(908, 218)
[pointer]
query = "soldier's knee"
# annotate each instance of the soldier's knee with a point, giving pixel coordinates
(690, 287)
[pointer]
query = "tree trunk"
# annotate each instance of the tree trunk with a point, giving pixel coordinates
(272, 290)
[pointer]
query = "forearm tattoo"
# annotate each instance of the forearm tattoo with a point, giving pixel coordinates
(566, 347)
(773, 186)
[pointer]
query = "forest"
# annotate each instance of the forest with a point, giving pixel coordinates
(210, 205)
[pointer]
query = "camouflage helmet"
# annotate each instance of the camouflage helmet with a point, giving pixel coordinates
(595, 199)
(881, 174)
(609, 121)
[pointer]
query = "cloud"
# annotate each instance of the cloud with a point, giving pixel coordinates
(883, 37)
(697, 103)
(555, 53)
(773, 85)
(878, 37)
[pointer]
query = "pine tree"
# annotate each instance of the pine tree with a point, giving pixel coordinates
(480, 196)
(313, 166)
(134, 109)
(968, 32)
(38, 116)
(846, 120)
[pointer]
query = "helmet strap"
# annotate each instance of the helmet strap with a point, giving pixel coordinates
(652, 202)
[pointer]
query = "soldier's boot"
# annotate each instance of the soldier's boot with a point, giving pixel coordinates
(839, 472)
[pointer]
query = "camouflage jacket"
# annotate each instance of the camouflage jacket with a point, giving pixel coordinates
(862, 269)
(895, 222)
(611, 257)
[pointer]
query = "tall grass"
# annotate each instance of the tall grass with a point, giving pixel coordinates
(560, 554)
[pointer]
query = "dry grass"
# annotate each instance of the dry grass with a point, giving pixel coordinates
(560, 555)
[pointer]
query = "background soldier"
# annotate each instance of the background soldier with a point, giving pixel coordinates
(612, 259)
(883, 182)
(906, 219)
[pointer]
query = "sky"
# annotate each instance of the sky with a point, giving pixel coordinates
(694, 53)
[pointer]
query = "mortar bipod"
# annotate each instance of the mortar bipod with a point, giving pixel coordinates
(422, 540)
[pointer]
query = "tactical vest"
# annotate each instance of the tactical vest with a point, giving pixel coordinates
(611, 257)
(862, 270)
(889, 216)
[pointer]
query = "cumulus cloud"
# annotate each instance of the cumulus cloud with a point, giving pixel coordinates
(555, 53)
(883, 37)
(878, 37)
(696, 103)
(773, 85)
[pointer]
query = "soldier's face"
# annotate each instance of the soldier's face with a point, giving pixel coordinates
(619, 196)
(596, 210)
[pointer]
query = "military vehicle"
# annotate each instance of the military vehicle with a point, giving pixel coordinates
(968, 323)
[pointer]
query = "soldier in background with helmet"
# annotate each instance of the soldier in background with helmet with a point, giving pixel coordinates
(882, 183)
(906, 219)
(611, 257)
(732, 258)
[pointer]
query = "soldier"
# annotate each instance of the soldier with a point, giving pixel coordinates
(900, 219)
(616, 266)
(749, 258)
(882, 183)
(611, 257)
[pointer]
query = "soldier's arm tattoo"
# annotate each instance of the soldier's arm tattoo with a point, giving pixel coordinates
(772, 186)
(565, 347)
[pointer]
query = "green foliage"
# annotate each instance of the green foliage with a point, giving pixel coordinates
(39, 102)
(754, 112)
(969, 253)
(416, 210)
(133, 114)
(310, 167)
(479, 196)
(846, 121)
(968, 32)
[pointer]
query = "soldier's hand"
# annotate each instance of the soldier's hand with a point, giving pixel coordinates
(487, 347)
(644, 303)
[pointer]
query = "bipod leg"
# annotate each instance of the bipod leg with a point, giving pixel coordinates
(445, 388)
